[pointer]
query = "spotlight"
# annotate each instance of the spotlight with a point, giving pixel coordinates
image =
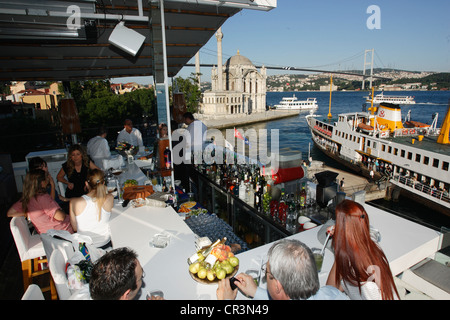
(126, 39)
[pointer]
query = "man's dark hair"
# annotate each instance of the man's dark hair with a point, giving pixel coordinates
(113, 274)
(188, 115)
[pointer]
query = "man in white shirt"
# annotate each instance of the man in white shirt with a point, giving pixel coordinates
(197, 130)
(98, 148)
(130, 135)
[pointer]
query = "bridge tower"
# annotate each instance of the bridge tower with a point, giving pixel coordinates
(366, 63)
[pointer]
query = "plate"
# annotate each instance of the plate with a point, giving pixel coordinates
(215, 281)
(188, 204)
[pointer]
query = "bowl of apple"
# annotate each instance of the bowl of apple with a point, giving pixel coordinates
(225, 265)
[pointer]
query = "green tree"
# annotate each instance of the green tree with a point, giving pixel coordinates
(191, 90)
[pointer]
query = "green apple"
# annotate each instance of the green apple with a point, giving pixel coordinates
(221, 273)
(194, 267)
(228, 268)
(233, 261)
(202, 273)
(210, 274)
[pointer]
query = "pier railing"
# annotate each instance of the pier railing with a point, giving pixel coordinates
(418, 187)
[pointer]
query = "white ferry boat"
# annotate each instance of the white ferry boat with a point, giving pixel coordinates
(381, 98)
(292, 103)
(414, 156)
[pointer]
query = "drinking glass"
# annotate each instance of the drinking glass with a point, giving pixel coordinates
(155, 293)
(318, 257)
(254, 274)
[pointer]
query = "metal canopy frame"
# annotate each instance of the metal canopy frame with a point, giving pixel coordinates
(56, 40)
(29, 51)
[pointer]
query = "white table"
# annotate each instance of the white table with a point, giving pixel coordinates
(405, 243)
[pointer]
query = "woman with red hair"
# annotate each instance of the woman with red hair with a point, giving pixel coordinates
(360, 267)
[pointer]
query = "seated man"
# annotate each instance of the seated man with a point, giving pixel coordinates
(291, 275)
(117, 275)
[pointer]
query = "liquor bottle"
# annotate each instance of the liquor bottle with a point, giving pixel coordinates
(282, 208)
(167, 158)
(211, 258)
(242, 190)
(291, 218)
(201, 254)
(303, 197)
(257, 199)
(266, 201)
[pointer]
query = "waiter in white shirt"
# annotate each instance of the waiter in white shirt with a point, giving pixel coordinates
(197, 130)
(98, 148)
(130, 135)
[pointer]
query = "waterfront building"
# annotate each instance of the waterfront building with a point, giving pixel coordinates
(237, 87)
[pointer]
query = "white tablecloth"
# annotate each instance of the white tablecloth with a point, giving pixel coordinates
(405, 243)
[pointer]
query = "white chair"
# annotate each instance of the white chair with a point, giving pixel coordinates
(52, 243)
(31, 252)
(33, 293)
(57, 267)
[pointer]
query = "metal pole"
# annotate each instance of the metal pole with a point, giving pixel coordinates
(166, 86)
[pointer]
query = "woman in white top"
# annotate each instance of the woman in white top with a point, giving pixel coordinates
(90, 213)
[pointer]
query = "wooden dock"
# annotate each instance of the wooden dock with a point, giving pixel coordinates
(352, 183)
(238, 120)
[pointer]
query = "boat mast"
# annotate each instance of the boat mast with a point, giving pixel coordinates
(331, 89)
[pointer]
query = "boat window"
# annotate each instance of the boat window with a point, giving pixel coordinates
(358, 139)
(402, 153)
(409, 155)
(395, 152)
(374, 145)
(389, 149)
(417, 157)
(383, 147)
(445, 165)
(436, 163)
(426, 160)
(368, 143)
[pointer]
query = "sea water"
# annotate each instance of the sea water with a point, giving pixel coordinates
(295, 135)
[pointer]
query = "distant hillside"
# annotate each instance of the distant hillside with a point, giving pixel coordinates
(438, 80)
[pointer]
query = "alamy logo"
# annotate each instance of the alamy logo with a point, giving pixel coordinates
(374, 21)
(73, 22)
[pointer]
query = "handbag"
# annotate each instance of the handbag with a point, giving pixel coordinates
(135, 192)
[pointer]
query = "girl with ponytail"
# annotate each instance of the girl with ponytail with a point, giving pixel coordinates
(90, 213)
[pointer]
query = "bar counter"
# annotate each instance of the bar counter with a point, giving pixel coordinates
(404, 242)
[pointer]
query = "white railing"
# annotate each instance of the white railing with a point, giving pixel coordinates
(433, 193)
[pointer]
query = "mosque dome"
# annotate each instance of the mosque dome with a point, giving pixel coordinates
(238, 60)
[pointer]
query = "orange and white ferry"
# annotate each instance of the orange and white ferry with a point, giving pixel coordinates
(413, 156)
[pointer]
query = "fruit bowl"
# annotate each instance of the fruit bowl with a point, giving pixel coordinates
(209, 271)
(216, 280)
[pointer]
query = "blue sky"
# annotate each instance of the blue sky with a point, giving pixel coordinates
(332, 35)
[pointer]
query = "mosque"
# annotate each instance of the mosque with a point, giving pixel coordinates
(237, 87)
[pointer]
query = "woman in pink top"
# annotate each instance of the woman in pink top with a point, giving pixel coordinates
(37, 205)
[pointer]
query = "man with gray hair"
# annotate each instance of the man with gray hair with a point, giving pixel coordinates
(291, 275)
